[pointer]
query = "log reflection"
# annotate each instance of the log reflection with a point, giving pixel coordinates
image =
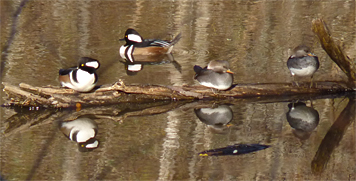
(333, 137)
(25, 120)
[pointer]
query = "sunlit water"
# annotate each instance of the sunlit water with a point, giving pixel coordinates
(256, 37)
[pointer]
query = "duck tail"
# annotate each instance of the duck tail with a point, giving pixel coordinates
(176, 39)
(173, 42)
(64, 71)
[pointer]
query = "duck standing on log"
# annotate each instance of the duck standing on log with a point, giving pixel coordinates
(303, 63)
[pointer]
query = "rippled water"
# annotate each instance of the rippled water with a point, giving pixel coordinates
(254, 36)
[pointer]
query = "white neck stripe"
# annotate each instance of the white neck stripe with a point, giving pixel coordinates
(129, 53)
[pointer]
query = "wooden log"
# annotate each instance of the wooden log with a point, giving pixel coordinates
(58, 97)
(334, 50)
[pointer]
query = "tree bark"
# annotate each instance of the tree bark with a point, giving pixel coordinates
(57, 97)
(333, 49)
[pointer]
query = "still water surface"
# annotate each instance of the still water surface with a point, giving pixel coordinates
(256, 37)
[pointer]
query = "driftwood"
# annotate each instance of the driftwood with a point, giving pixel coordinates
(333, 49)
(57, 97)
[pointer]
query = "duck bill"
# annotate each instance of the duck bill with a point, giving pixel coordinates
(229, 125)
(230, 72)
(123, 39)
(311, 55)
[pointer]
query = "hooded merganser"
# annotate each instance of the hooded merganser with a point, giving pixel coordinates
(83, 131)
(216, 75)
(218, 118)
(82, 78)
(303, 63)
(136, 45)
(302, 119)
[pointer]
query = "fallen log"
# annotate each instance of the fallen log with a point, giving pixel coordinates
(58, 97)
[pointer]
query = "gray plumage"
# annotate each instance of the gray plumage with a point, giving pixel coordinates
(216, 75)
(302, 117)
(217, 117)
(302, 62)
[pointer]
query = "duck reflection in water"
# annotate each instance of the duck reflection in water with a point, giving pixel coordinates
(217, 117)
(137, 62)
(83, 131)
(302, 119)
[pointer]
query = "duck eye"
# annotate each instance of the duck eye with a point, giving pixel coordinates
(82, 65)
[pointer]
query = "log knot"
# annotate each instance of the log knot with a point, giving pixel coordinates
(119, 84)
